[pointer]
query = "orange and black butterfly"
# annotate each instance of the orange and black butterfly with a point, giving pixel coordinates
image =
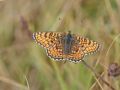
(65, 46)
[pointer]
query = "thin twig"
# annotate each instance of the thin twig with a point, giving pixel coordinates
(97, 75)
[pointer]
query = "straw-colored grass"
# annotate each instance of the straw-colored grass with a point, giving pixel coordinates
(25, 66)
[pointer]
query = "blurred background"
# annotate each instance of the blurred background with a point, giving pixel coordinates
(24, 65)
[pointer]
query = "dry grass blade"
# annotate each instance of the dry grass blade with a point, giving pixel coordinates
(11, 82)
(97, 75)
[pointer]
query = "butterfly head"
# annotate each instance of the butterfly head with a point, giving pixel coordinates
(68, 36)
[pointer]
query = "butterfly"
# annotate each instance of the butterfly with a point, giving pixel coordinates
(65, 46)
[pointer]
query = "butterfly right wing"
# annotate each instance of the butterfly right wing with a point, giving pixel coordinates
(86, 45)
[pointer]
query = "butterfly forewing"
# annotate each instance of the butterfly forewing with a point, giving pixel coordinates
(86, 45)
(47, 39)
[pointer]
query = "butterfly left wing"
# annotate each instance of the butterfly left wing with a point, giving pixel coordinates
(56, 51)
(47, 39)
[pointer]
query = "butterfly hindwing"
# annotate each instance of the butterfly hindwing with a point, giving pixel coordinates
(56, 52)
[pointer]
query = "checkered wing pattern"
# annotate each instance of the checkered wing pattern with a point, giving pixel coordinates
(47, 39)
(86, 45)
(52, 42)
(56, 52)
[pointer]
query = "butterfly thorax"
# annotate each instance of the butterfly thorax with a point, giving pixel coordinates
(67, 43)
